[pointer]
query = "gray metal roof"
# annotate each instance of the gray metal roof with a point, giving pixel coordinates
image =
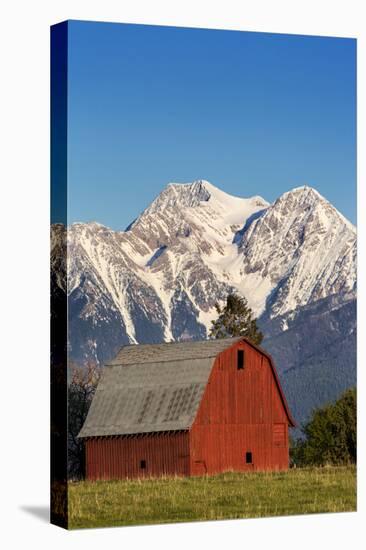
(152, 388)
(174, 351)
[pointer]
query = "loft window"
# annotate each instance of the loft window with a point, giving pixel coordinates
(240, 363)
(248, 457)
(143, 464)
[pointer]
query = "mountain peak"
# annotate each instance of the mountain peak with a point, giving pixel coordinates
(306, 199)
(193, 186)
(304, 193)
(187, 194)
(196, 193)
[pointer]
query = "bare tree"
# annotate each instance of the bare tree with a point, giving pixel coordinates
(82, 386)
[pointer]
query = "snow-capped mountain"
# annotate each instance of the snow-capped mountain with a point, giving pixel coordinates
(158, 278)
(161, 277)
(303, 249)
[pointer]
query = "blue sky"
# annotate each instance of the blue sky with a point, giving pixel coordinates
(253, 113)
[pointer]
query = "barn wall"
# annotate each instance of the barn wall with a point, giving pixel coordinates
(120, 457)
(241, 411)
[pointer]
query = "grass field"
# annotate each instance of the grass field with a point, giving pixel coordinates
(225, 496)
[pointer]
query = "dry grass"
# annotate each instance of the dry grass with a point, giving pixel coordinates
(225, 496)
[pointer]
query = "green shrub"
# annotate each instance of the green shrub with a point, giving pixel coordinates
(330, 435)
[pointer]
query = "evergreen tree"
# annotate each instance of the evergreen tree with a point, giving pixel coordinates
(235, 319)
(330, 434)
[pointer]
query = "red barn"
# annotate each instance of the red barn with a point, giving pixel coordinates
(187, 408)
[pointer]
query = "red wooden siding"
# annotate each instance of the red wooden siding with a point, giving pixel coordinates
(279, 435)
(241, 411)
(121, 456)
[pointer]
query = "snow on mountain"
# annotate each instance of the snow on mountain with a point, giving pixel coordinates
(302, 248)
(160, 279)
(228, 210)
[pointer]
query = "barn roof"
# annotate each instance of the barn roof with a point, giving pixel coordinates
(173, 351)
(154, 387)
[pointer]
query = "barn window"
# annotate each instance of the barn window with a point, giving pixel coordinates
(143, 464)
(248, 457)
(240, 362)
